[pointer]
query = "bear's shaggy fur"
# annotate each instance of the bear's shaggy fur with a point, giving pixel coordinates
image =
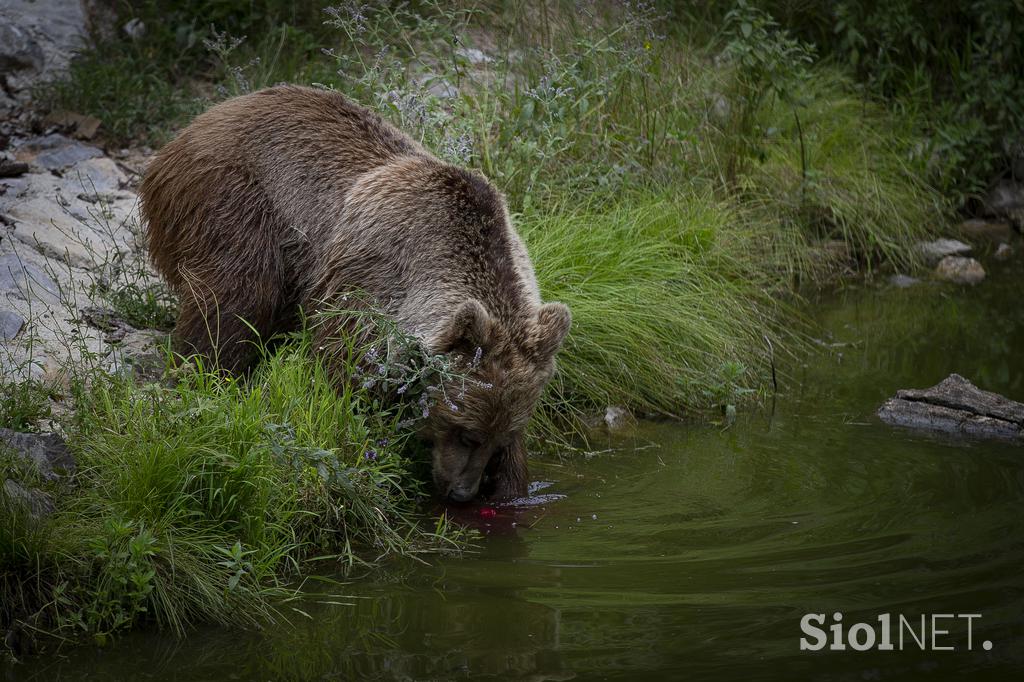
(284, 199)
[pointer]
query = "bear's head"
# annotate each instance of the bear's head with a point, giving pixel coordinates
(476, 426)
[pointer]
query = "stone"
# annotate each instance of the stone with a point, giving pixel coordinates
(616, 417)
(53, 231)
(1003, 252)
(960, 270)
(935, 251)
(37, 40)
(55, 151)
(67, 155)
(46, 452)
(1006, 200)
(956, 406)
(94, 175)
(986, 230)
(26, 280)
(107, 321)
(12, 169)
(473, 55)
(902, 281)
(36, 502)
(10, 324)
(18, 49)
(134, 29)
(82, 127)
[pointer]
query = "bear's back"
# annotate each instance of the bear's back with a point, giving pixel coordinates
(305, 147)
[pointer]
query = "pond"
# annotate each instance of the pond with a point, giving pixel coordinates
(684, 551)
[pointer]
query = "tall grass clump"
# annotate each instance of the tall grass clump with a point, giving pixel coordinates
(833, 166)
(202, 498)
(666, 315)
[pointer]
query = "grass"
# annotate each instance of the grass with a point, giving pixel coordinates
(199, 500)
(645, 331)
(673, 200)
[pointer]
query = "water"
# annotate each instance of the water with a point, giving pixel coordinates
(694, 552)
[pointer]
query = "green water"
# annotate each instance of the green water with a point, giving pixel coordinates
(692, 552)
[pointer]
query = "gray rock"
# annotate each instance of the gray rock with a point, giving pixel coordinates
(26, 280)
(960, 270)
(94, 175)
(473, 55)
(39, 39)
(37, 502)
(1006, 200)
(134, 28)
(62, 157)
(10, 324)
(1004, 252)
(616, 417)
(46, 452)
(18, 49)
(934, 251)
(442, 89)
(902, 281)
(956, 406)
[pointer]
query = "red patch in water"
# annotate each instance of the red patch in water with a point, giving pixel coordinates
(487, 512)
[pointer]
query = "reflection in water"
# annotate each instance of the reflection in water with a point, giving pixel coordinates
(698, 557)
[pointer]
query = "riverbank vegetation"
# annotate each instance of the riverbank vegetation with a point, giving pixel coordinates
(676, 179)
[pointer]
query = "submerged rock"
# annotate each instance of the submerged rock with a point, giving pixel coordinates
(902, 281)
(956, 406)
(960, 270)
(986, 230)
(935, 251)
(616, 417)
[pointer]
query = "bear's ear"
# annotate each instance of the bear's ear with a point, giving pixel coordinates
(553, 322)
(468, 329)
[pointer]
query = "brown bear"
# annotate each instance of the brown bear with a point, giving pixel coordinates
(281, 200)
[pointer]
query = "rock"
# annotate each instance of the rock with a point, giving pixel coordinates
(902, 281)
(26, 280)
(1004, 252)
(1006, 200)
(60, 155)
(46, 452)
(18, 49)
(987, 230)
(94, 175)
(473, 55)
(37, 40)
(82, 127)
(616, 417)
(109, 322)
(10, 324)
(134, 28)
(957, 406)
(934, 251)
(53, 231)
(721, 109)
(960, 270)
(12, 169)
(36, 502)
(442, 89)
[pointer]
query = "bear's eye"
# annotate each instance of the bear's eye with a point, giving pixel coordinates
(468, 440)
